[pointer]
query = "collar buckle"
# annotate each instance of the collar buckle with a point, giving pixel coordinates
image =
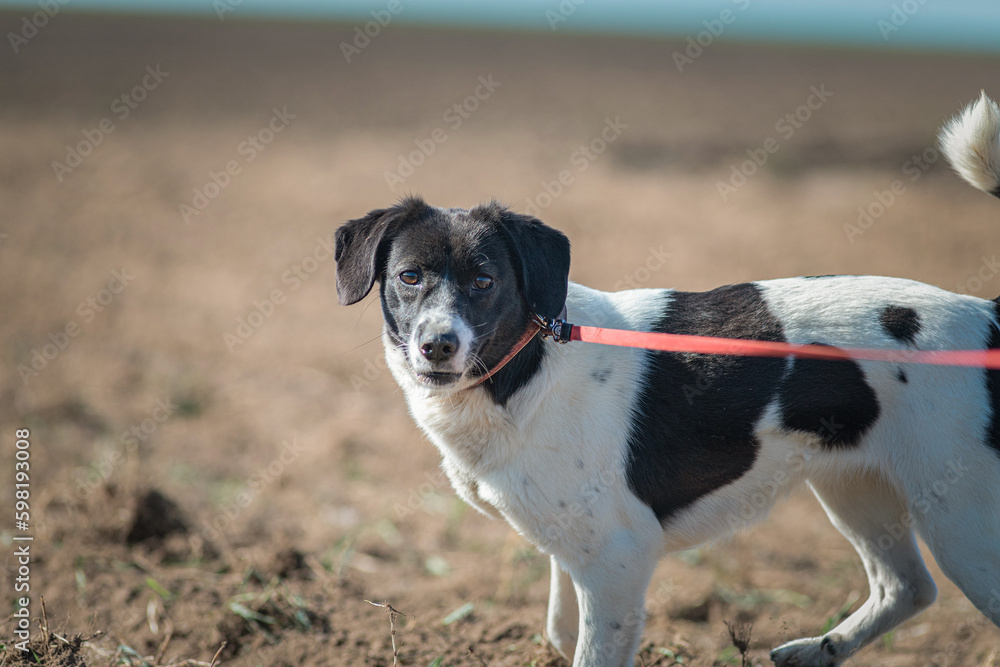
(555, 328)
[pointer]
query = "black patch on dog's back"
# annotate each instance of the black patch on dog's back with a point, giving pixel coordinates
(830, 399)
(901, 323)
(693, 430)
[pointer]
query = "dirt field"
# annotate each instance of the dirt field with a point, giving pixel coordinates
(217, 452)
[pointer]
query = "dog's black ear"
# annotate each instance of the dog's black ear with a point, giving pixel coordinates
(357, 254)
(543, 255)
(362, 245)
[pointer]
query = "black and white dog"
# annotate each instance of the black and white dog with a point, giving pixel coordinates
(605, 457)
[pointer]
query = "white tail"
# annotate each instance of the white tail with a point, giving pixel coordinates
(971, 142)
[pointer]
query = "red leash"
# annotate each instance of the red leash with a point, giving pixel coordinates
(563, 332)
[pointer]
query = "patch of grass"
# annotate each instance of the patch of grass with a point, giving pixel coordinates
(155, 586)
(267, 612)
(339, 556)
(388, 532)
(664, 656)
(79, 576)
(437, 566)
(462, 612)
(190, 406)
(249, 615)
(126, 655)
(729, 656)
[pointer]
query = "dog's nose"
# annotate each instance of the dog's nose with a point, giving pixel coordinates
(440, 347)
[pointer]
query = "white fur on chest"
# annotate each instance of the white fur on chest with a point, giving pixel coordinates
(553, 464)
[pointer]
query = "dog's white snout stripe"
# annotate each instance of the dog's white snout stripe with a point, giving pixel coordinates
(440, 323)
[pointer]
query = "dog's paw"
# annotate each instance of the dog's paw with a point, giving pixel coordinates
(812, 652)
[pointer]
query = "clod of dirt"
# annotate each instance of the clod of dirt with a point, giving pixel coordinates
(696, 613)
(234, 631)
(155, 517)
(76, 412)
(511, 632)
(289, 564)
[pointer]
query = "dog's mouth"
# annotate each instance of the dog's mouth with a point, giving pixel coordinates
(438, 378)
(446, 377)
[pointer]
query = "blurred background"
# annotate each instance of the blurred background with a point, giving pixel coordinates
(218, 454)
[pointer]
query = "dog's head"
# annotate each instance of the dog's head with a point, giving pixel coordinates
(458, 287)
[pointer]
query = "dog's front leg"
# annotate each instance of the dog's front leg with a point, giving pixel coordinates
(611, 589)
(564, 612)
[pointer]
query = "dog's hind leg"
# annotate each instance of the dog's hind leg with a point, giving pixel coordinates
(958, 516)
(871, 515)
(564, 611)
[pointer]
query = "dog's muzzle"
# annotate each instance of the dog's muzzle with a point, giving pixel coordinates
(439, 349)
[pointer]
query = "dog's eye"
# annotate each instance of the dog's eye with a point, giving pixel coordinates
(482, 282)
(410, 277)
